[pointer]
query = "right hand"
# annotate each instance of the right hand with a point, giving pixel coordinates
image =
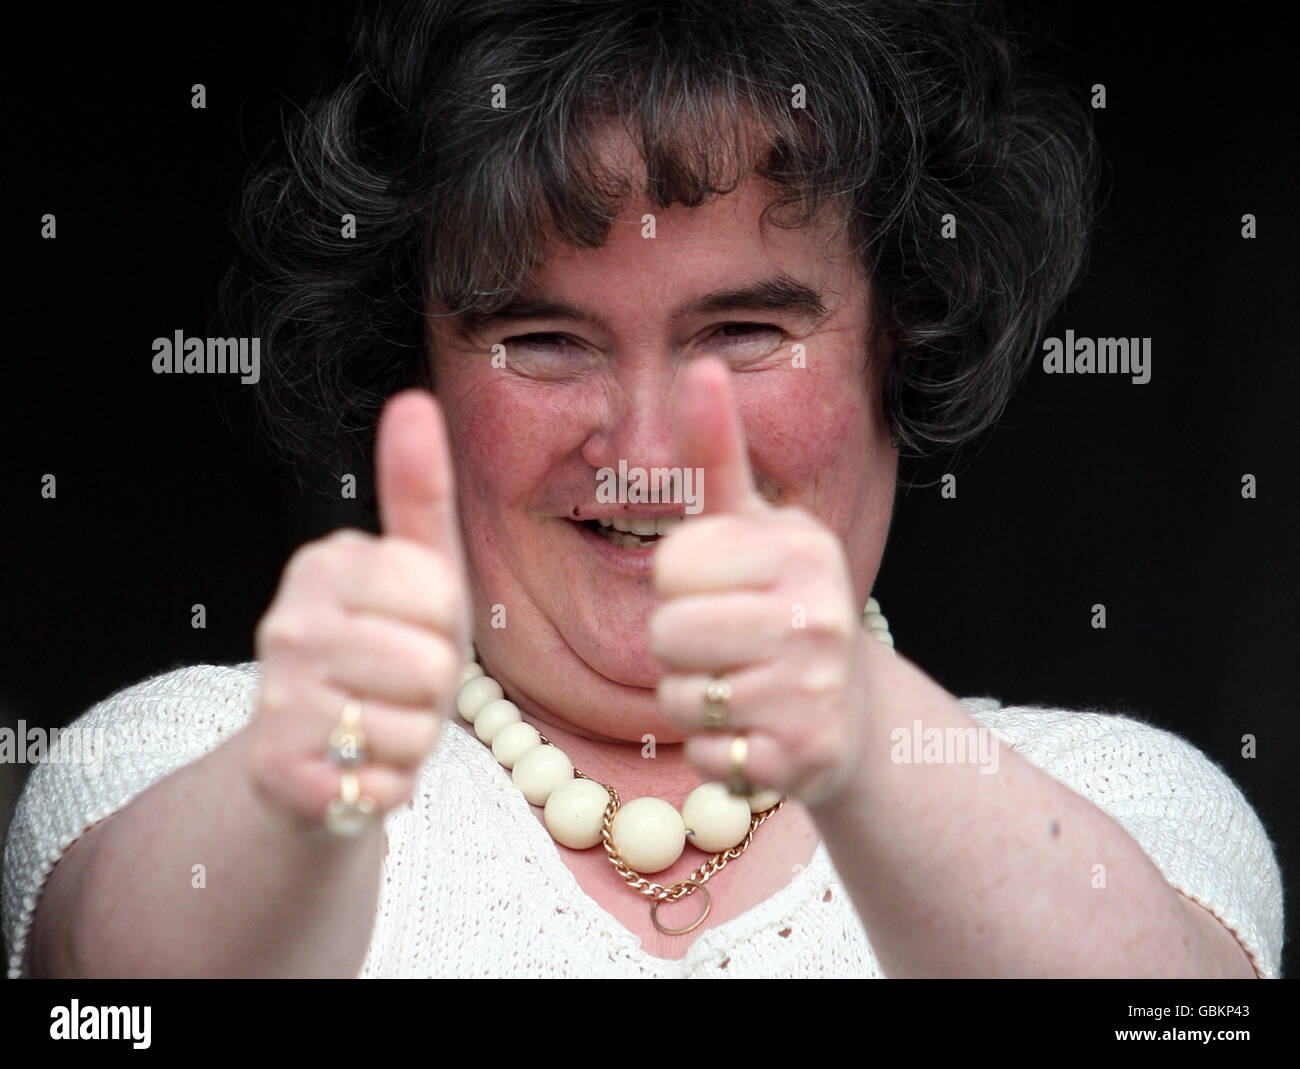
(380, 620)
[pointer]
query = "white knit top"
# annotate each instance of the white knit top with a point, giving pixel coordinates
(474, 886)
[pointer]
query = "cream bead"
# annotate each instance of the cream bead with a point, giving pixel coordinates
(715, 820)
(649, 834)
(513, 741)
(872, 607)
(575, 813)
(538, 772)
(762, 801)
(495, 715)
(472, 670)
(475, 694)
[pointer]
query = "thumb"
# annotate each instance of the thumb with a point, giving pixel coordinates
(413, 474)
(709, 436)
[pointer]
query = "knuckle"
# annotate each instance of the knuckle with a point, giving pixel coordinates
(426, 734)
(282, 630)
(822, 751)
(326, 558)
(433, 671)
(274, 696)
(395, 788)
(419, 686)
(659, 629)
(346, 535)
(441, 670)
(447, 588)
(834, 622)
(816, 545)
(815, 685)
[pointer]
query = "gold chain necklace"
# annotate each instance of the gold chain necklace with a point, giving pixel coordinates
(506, 715)
(675, 891)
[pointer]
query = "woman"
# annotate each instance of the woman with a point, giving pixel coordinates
(758, 250)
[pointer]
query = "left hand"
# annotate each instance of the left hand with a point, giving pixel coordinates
(763, 596)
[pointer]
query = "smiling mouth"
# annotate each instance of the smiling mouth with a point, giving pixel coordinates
(632, 533)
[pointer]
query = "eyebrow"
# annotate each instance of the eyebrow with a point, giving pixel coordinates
(779, 293)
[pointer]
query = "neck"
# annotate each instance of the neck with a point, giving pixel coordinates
(631, 768)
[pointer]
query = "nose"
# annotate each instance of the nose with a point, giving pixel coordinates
(636, 419)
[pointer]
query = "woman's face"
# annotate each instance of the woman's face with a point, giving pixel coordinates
(561, 613)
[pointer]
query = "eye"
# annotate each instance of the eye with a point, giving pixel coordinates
(553, 342)
(547, 357)
(745, 345)
(747, 332)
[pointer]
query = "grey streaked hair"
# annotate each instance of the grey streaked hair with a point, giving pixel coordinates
(914, 109)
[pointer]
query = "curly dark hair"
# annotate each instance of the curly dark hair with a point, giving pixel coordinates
(914, 109)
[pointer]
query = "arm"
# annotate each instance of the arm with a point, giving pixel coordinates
(380, 621)
(121, 902)
(955, 871)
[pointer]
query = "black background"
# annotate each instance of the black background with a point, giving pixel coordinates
(1092, 490)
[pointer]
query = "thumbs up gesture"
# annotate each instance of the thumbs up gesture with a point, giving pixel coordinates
(381, 621)
(763, 597)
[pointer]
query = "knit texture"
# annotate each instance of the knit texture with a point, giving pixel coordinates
(473, 885)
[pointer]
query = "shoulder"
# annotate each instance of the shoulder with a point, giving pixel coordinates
(103, 759)
(1112, 753)
(216, 686)
(1181, 807)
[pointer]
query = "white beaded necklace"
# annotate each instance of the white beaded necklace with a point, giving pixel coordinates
(647, 834)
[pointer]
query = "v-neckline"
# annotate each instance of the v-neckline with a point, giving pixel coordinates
(550, 866)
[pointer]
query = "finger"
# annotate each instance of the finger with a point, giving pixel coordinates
(682, 700)
(717, 553)
(765, 767)
(709, 435)
(318, 783)
(390, 733)
(414, 479)
(715, 631)
(400, 579)
(377, 656)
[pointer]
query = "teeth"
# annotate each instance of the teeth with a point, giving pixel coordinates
(636, 533)
(624, 541)
(642, 532)
(642, 526)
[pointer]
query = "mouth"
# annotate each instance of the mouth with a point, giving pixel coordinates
(631, 533)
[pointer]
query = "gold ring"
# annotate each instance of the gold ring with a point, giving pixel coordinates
(717, 693)
(708, 905)
(738, 781)
(347, 745)
(349, 814)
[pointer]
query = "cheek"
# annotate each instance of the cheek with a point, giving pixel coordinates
(807, 437)
(504, 438)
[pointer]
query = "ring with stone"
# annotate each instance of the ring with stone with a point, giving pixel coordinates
(349, 814)
(717, 693)
(347, 743)
(738, 782)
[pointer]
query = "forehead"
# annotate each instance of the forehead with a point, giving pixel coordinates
(653, 254)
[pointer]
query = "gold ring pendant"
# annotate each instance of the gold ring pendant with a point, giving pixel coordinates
(708, 904)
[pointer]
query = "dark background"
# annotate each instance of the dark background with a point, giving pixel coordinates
(1092, 490)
